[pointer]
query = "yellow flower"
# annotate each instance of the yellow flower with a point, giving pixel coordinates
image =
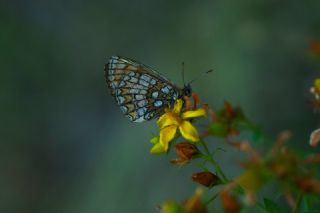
(174, 121)
(316, 84)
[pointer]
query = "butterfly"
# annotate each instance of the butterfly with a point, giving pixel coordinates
(141, 93)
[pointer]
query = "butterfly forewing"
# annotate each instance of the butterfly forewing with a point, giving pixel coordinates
(141, 92)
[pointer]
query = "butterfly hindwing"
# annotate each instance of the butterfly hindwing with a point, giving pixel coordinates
(141, 92)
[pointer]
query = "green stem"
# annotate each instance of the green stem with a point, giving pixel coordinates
(299, 199)
(214, 163)
(211, 199)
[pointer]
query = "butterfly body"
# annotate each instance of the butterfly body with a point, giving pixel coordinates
(141, 92)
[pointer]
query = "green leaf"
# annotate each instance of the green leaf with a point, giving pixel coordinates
(257, 135)
(155, 139)
(242, 123)
(306, 204)
(219, 129)
(272, 207)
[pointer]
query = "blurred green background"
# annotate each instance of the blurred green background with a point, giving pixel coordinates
(65, 146)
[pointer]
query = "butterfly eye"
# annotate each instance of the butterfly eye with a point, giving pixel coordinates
(187, 91)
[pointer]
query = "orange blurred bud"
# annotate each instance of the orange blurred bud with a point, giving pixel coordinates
(250, 198)
(308, 184)
(206, 178)
(244, 146)
(214, 117)
(206, 108)
(194, 204)
(312, 159)
(229, 202)
(185, 151)
(315, 47)
(279, 145)
(196, 100)
(187, 103)
(229, 109)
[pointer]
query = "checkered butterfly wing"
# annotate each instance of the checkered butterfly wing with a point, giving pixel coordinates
(141, 92)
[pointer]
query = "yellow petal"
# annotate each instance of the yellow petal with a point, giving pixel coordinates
(155, 139)
(166, 135)
(188, 131)
(157, 149)
(177, 106)
(317, 84)
(167, 119)
(193, 113)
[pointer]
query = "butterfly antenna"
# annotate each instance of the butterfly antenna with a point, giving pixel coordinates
(182, 73)
(203, 74)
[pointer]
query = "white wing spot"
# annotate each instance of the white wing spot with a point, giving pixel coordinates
(140, 119)
(133, 91)
(165, 90)
(112, 66)
(113, 85)
(134, 80)
(153, 82)
(139, 97)
(122, 83)
(142, 103)
(123, 109)
(120, 99)
(145, 77)
(158, 103)
(143, 92)
(141, 111)
(144, 83)
(125, 78)
(155, 94)
(121, 66)
(137, 86)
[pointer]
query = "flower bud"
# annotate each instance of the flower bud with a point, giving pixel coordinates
(206, 178)
(185, 151)
(194, 204)
(230, 203)
(308, 184)
(196, 100)
(315, 47)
